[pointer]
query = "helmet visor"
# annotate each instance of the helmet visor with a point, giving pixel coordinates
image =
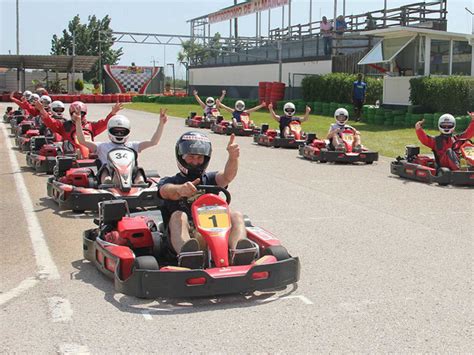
(58, 109)
(341, 118)
(210, 102)
(239, 106)
(196, 147)
(446, 125)
(119, 131)
(289, 110)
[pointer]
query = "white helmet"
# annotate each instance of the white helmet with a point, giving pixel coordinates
(210, 101)
(27, 94)
(446, 124)
(45, 100)
(239, 105)
(58, 108)
(119, 129)
(341, 116)
(34, 98)
(289, 109)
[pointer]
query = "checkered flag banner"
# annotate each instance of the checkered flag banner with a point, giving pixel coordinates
(131, 79)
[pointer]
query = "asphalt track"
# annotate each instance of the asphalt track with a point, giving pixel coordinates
(386, 263)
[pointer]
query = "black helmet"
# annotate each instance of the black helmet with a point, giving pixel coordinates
(193, 143)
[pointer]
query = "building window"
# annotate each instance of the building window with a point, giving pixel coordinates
(462, 56)
(439, 57)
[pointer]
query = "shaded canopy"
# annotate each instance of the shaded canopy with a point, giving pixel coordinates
(49, 62)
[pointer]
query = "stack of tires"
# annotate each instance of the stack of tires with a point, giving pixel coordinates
(326, 109)
(379, 118)
(428, 117)
(398, 118)
(277, 93)
(317, 107)
(262, 90)
(388, 118)
(462, 122)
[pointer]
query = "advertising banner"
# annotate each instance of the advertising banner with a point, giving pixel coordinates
(245, 8)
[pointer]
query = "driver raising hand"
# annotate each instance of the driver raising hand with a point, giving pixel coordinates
(442, 145)
(193, 152)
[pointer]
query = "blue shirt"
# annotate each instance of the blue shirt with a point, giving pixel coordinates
(236, 115)
(285, 122)
(360, 88)
(170, 206)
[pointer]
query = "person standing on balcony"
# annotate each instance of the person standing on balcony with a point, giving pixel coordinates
(326, 31)
(341, 26)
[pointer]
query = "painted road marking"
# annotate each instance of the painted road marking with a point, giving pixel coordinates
(147, 315)
(76, 349)
(46, 267)
(17, 291)
(60, 308)
(303, 299)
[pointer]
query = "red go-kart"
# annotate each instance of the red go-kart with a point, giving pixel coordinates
(272, 138)
(133, 250)
(204, 121)
(322, 151)
(415, 166)
(244, 128)
(79, 189)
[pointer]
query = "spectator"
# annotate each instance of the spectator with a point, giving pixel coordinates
(371, 23)
(326, 30)
(341, 26)
(359, 89)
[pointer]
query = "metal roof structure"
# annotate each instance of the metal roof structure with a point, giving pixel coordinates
(63, 63)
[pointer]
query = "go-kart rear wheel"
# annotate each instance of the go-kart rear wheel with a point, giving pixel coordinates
(279, 252)
(146, 262)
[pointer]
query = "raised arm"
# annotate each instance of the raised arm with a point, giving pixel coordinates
(227, 108)
(272, 113)
(52, 124)
(158, 132)
(223, 95)
(198, 99)
(99, 126)
(256, 108)
(224, 178)
(76, 117)
(306, 114)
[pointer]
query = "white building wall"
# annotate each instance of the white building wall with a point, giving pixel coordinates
(8, 80)
(251, 75)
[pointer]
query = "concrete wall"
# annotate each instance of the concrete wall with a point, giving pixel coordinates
(242, 80)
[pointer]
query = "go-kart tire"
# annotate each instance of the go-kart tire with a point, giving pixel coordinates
(78, 211)
(369, 162)
(279, 252)
(441, 173)
(146, 262)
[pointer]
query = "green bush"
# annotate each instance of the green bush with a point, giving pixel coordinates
(453, 94)
(337, 87)
(79, 85)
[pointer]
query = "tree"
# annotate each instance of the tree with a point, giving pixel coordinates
(87, 42)
(193, 52)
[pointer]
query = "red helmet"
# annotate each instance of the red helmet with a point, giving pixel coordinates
(78, 106)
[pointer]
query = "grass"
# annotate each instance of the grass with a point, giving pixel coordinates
(388, 141)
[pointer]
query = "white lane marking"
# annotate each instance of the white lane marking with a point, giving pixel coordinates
(17, 291)
(147, 315)
(60, 308)
(303, 299)
(46, 267)
(76, 349)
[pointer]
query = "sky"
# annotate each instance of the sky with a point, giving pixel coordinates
(41, 19)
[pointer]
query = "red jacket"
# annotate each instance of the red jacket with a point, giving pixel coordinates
(67, 130)
(440, 145)
(27, 107)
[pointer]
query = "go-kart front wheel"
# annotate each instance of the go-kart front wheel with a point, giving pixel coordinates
(146, 262)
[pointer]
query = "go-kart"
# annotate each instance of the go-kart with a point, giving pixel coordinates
(25, 130)
(244, 128)
(204, 121)
(415, 166)
(322, 150)
(8, 115)
(16, 118)
(272, 138)
(79, 189)
(134, 251)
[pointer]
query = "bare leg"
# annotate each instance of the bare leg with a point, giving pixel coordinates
(178, 229)
(286, 132)
(105, 177)
(139, 179)
(237, 232)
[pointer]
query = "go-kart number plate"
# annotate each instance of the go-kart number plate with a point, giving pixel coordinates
(121, 157)
(213, 217)
(348, 137)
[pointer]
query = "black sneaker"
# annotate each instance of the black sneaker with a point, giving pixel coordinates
(190, 256)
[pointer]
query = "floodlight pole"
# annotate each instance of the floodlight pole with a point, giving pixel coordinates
(174, 81)
(280, 61)
(73, 62)
(17, 27)
(472, 14)
(100, 61)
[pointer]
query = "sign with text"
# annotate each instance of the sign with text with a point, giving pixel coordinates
(245, 8)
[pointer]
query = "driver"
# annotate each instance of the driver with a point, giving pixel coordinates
(119, 130)
(335, 132)
(193, 153)
(210, 102)
(285, 120)
(67, 129)
(442, 145)
(239, 110)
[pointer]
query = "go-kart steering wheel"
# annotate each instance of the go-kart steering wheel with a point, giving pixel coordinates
(214, 189)
(458, 143)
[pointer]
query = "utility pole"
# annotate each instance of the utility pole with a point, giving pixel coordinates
(73, 61)
(174, 79)
(100, 62)
(18, 43)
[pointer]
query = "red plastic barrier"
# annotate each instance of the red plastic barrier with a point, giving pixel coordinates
(268, 91)
(99, 99)
(107, 98)
(67, 99)
(113, 98)
(278, 92)
(262, 87)
(6, 97)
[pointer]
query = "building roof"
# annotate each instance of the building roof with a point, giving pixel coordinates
(49, 62)
(401, 31)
